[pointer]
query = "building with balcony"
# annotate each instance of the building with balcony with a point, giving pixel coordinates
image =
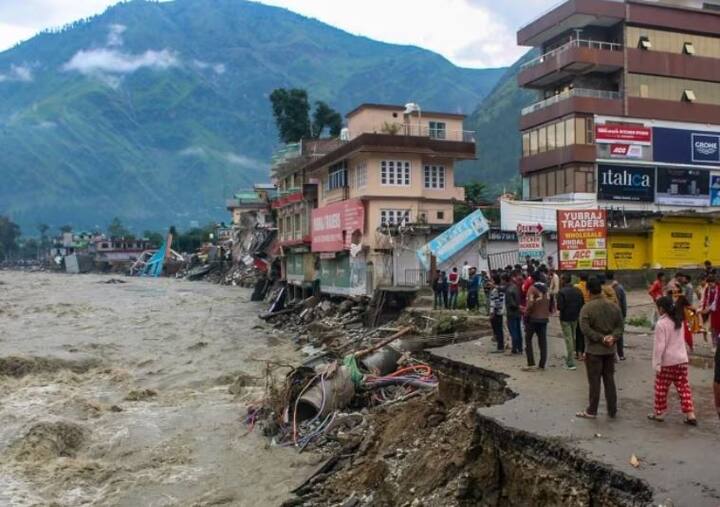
(628, 106)
(296, 197)
(385, 191)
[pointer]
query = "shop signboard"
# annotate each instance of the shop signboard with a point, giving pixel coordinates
(679, 146)
(334, 225)
(627, 134)
(683, 187)
(454, 239)
(626, 183)
(715, 189)
(582, 239)
(530, 241)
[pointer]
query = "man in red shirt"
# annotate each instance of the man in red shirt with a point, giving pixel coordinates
(656, 292)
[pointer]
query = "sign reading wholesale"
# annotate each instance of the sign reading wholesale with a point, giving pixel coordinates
(334, 225)
(454, 239)
(582, 239)
(683, 187)
(626, 183)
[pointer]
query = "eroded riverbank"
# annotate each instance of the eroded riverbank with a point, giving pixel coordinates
(126, 401)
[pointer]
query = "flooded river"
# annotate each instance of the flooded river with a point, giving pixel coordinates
(117, 394)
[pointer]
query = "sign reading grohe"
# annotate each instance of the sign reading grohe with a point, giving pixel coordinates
(582, 239)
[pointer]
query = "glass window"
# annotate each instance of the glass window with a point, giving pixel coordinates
(551, 137)
(542, 139)
(394, 216)
(533, 142)
(551, 189)
(437, 130)
(434, 176)
(395, 173)
(525, 144)
(440, 215)
(569, 131)
(560, 135)
(361, 175)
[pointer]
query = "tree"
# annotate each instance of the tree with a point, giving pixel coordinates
(66, 228)
(155, 238)
(325, 116)
(9, 234)
(474, 197)
(116, 229)
(291, 110)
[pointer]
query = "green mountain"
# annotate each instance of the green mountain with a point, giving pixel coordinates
(496, 126)
(158, 111)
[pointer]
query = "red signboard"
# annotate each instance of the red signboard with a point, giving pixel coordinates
(582, 239)
(334, 225)
(623, 134)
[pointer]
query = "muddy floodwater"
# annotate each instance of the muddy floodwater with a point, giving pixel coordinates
(117, 394)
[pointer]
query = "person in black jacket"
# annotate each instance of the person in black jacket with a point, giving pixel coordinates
(622, 303)
(512, 310)
(570, 301)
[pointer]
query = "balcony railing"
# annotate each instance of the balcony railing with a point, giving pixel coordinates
(575, 92)
(466, 136)
(576, 43)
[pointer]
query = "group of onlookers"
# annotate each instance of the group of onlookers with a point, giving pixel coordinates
(592, 314)
(446, 288)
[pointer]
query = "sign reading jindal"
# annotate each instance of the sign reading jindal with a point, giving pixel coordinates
(582, 239)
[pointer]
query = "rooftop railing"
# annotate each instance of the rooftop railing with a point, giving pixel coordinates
(575, 43)
(575, 92)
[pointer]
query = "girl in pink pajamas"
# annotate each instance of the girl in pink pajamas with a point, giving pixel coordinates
(670, 361)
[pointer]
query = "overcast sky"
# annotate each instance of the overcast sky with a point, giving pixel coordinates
(471, 33)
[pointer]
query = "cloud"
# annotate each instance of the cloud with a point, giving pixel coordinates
(217, 68)
(114, 38)
(240, 160)
(193, 151)
(112, 61)
(21, 73)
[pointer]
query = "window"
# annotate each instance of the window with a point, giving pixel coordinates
(361, 175)
(569, 131)
(689, 96)
(394, 216)
(542, 138)
(560, 134)
(551, 144)
(644, 42)
(434, 176)
(395, 173)
(440, 215)
(437, 130)
(689, 48)
(533, 142)
(526, 144)
(337, 176)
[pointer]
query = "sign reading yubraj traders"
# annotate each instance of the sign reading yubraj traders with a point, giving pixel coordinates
(582, 239)
(334, 225)
(453, 240)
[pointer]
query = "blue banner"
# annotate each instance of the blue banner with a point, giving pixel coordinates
(686, 146)
(453, 240)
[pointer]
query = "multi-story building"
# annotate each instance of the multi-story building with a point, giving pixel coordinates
(383, 193)
(628, 118)
(629, 102)
(296, 198)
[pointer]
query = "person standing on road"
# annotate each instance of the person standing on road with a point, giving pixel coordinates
(538, 315)
(670, 361)
(473, 290)
(465, 279)
(621, 297)
(437, 290)
(512, 310)
(656, 292)
(497, 310)
(579, 337)
(601, 323)
(570, 301)
(554, 289)
(711, 308)
(454, 281)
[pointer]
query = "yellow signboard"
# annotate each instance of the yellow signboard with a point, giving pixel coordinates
(627, 251)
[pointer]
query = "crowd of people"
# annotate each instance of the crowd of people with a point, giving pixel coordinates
(592, 312)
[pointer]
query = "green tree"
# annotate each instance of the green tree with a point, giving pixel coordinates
(325, 117)
(291, 110)
(28, 248)
(155, 238)
(116, 229)
(9, 234)
(475, 195)
(66, 228)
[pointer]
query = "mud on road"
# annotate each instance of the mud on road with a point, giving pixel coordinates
(118, 394)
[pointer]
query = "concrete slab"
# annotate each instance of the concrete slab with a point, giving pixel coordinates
(680, 462)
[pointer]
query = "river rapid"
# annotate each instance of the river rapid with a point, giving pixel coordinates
(117, 394)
